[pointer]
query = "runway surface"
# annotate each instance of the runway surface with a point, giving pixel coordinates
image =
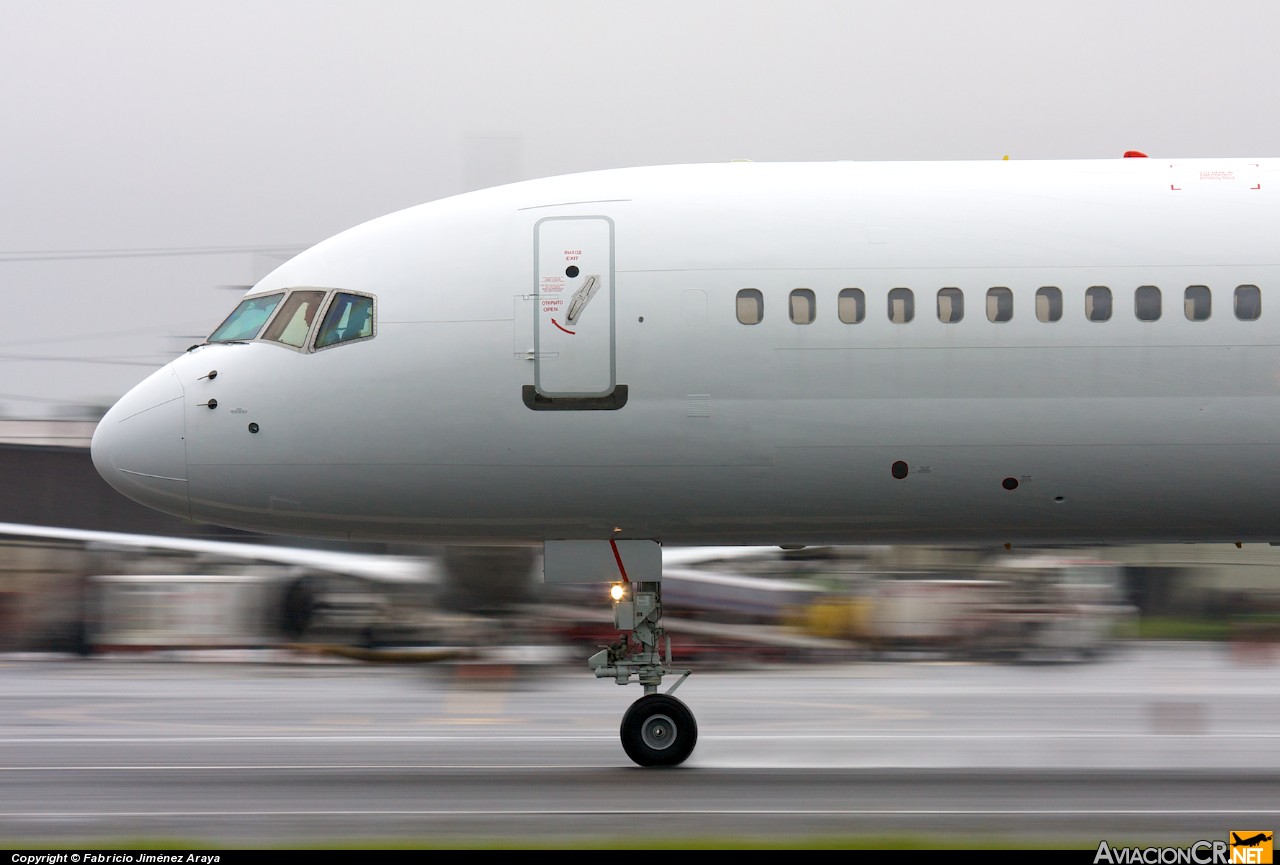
(1160, 744)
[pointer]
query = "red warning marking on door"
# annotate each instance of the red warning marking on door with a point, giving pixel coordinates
(565, 329)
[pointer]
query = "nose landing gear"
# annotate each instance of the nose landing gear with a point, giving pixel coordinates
(658, 729)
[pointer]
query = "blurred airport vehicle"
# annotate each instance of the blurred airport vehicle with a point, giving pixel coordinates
(1044, 607)
(255, 610)
(962, 603)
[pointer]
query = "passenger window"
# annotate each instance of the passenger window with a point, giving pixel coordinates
(803, 306)
(1248, 302)
(246, 319)
(1146, 303)
(750, 306)
(1097, 303)
(851, 305)
(999, 304)
(950, 305)
(293, 322)
(1048, 303)
(350, 316)
(1197, 302)
(902, 305)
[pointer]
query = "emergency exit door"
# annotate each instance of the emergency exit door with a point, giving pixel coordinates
(574, 317)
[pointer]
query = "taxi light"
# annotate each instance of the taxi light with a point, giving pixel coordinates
(617, 592)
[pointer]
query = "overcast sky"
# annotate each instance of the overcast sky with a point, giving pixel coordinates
(151, 152)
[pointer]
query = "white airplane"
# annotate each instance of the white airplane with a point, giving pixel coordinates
(601, 364)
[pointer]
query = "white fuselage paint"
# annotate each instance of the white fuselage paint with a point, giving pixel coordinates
(777, 432)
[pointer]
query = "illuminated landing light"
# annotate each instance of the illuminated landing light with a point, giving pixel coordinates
(617, 592)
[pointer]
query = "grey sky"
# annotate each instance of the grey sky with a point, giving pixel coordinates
(179, 137)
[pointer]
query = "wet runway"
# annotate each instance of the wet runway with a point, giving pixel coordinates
(1163, 744)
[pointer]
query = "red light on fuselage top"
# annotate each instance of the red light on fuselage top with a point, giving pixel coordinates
(1134, 154)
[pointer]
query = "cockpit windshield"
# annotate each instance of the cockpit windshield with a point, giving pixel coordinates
(292, 324)
(350, 316)
(289, 318)
(247, 319)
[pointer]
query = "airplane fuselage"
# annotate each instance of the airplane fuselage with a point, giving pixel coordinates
(720, 354)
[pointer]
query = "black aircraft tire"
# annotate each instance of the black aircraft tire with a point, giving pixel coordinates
(658, 730)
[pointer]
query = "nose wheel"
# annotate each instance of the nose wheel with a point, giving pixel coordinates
(658, 730)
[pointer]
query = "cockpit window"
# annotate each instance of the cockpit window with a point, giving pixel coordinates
(247, 319)
(350, 316)
(293, 322)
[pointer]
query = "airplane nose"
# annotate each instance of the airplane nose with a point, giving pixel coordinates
(139, 445)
